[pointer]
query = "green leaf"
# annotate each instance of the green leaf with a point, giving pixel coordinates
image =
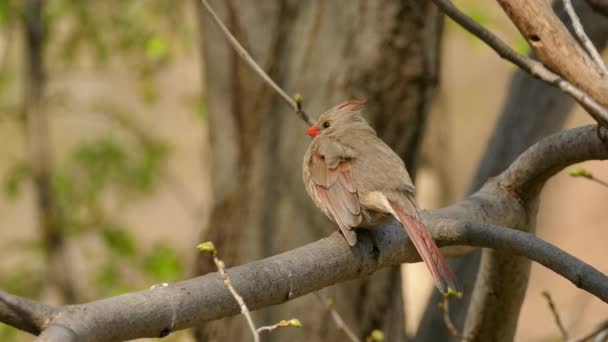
(479, 15)
(119, 240)
(207, 247)
(377, 335)
(8, 333)
(15, 177)
(163, 264)
(580, 173)
(102, 161)
(107, 277)
(5, 8)
(200, 111)
(156, 48)
(521, 45)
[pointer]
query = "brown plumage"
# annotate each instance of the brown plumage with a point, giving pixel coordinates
(358, 181)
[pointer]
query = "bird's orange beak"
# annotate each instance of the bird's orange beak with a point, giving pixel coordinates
(313, 131)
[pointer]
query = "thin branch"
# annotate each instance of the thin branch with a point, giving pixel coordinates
(24, 314)
(601, 327)
(588, 175)
(534, 68)
(444, 307)
(556, 316)
(580, 32)
(208, 247)
(245, 56)
(294, 322)
(340, 324)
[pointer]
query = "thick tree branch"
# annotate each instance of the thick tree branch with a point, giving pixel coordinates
(292, 274)
(535, 68)
(558, 50)
(582, 36)
(328, 261)
(24, 314)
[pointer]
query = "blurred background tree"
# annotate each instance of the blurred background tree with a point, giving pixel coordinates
(85, 161)
(116, 93)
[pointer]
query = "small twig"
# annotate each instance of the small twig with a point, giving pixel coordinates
(340, 324)
(208, 247)
(294, 322)
(556, 316)
(534, 68)
(601, 327)
(586, 174)
(444, 307)
(580, 32)
(255, 67)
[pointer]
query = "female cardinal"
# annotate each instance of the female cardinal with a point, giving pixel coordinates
(358, 181)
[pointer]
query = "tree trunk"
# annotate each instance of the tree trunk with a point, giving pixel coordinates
(329, 51)
(58, 284)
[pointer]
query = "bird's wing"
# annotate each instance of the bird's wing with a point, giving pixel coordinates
(331, 172)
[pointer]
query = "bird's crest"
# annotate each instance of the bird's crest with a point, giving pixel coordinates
(353, 105)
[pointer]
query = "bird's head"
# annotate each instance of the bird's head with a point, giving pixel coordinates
(344, 117)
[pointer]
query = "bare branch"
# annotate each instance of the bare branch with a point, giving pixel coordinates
(25, 314)
(444, 307)
(556, 316)
(340, 324)
(531, 66)
(208, 247)
(245, 56)
(557, 49)
(580, 32)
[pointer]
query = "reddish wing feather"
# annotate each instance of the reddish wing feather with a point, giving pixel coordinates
(337, 194)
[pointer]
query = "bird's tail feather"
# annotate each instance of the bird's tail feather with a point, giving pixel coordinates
(425, 245)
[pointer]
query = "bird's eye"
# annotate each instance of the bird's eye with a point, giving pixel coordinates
(326, 124)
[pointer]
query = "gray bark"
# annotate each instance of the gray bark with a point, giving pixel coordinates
(284, 277)
(329, 51)
(532, 110)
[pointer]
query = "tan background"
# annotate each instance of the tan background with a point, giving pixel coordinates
(572, 214)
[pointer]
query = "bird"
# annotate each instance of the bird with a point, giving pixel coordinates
(357, 180)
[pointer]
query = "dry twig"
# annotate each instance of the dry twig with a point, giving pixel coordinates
(255, 67)
(580, 32)
(208, 247)
(444, 307)
(556, 316)
(340, 324)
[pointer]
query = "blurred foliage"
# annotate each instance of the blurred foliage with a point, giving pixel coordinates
(100, 176)
(163, 264)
